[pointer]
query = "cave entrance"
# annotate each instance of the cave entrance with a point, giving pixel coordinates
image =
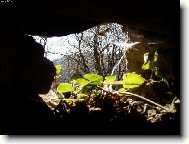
(132, 69)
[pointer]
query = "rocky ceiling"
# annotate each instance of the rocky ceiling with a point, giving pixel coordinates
(59, 18)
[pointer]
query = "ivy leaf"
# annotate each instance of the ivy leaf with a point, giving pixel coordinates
(132, 80)
(58, 69)
(64, 87)
(109, 80)
(93, 78)
(118, 83)
(155, 56)
(150, 59)
(146, 66)
(147, 62)
(82, 82)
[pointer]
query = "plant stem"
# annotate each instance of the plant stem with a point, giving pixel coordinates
(136, 95)
(143, 98)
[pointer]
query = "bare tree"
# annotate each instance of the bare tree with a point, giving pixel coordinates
(97, 51)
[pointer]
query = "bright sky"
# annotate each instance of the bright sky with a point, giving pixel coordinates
(57, 46)
(184, 3)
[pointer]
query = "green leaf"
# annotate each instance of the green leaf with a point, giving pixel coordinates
(147, 62)
(64, 87)
(155, 56)
(118, 83)
(146, 66)
(58, 68)
(132, 80)
(93, 78)
(150, 60)
(109, 80)
(82, 82)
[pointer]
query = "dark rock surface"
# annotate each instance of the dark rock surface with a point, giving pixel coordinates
(48, 18)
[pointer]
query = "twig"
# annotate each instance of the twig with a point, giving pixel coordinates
(143, 98)
(136, 95)
(127, 46)
(117, 64)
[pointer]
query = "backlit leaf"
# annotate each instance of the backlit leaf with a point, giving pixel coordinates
(118, 83)
(132, 80)
(82, 82)
(93, 78)
(64, 87)
(155, 56)
(58, 68)
(146, 66)
(109, 80)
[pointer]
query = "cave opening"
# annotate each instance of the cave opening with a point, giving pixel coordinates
(116, 51)
(115, 78)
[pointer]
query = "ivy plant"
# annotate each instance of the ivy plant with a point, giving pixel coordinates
(150, 63)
